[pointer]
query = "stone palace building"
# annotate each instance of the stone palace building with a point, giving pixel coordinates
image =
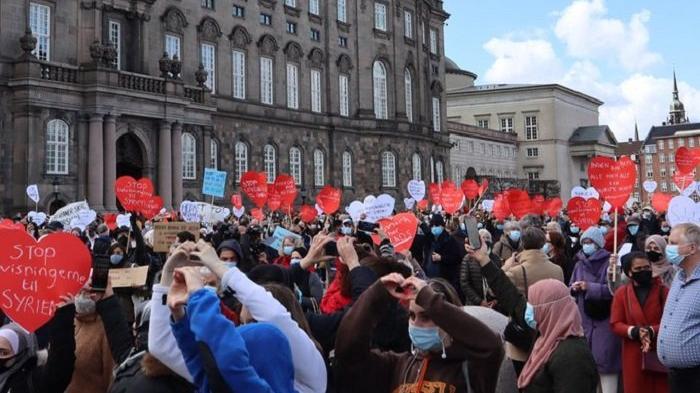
(343, 92)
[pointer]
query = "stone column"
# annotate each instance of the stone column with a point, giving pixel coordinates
(177, 164)
(165, 174)
(110, 162)
(206, 147)
(95, 163)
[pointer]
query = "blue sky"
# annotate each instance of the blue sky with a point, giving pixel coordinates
(622, 52)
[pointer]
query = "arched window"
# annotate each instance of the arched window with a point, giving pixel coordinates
(439, 172)
(380, 90)
(388, 169)
(241, 157)
(57, 138)
(416, 166)
(213, 154)
(295, 164)
(270, 163)
(189, 156)
(319, 168)
(347, 169)
(408, 89)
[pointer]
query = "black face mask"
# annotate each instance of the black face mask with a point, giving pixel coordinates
(654, 256)
(643, 278)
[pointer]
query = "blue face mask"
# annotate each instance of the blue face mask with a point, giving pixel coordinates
(347, 231)
(673, 255)
(575, 229)
(633, 229)
(295, 260)
(603, 229)
(514, 235)
(588, 249)
(436, 231)
(116, 259)
(424, 339)
(499, 227)
(529, 317)
(546, 248)
(288, 250)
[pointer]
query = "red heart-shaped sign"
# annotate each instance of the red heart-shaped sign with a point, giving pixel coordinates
(308, 213)
(110, 219)
(470, 189)
(584, 213)
(553, 206)
(9, 224)
(254, 185)
(501, 210)
(687, 159)
(434, 190)
(538, 204)
(451, 197)
(422, 204)
(519, 202)
(237, 201)
(683, 180)
(614, 180)
(660, 201)
(328, 199)
(152, 207)
(401, 230)
(136, 195)
(287, 190)
(484, 186)
(35, 274)
(274, 200)
(257, 214)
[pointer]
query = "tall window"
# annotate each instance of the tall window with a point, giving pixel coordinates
(531, 128)
(439, 172)
(533, 152)
(319, 168)
(40, 23)
(314, 7)
(344, 99)
(388, 169)
(270, 163)
(266, 87)
(342, 11)
(433, 41)
(316, 91)
(57, 147)
(347, 169)
(172, 46)
(380, 16)
(408, 89)
(436, 114)
(189, 156)
(507, 124)
(380, 93)
(239, 74)
(295, 164)
(208, 4)
(213, 154)
(241, 158)
(670, 143)
(483, 123)
(209, 62)
(416, 167)
(407, 24)
(292, 86)
(115, 36)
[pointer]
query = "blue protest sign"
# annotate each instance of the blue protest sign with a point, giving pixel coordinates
(214, 182)
(275, 241)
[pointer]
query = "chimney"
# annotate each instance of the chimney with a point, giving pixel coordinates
(629, 140)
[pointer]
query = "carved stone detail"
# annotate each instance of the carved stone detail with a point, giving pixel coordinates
(28, 43)
(316, 57)
(293, 51)
(344, 63)
(268, 45)
(240, 38)
(209, 30)
(436, 87)
(174, 20)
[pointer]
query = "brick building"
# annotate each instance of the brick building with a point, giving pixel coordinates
(332, 92)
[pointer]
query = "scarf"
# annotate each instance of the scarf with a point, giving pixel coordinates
(26, 350)
(660, 268)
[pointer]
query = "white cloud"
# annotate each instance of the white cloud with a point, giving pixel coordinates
(526, 61)
(588, 33)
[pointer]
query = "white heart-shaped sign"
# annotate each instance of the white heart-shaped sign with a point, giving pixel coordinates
(585, 193)
(692, 187)
(356, 209)
(86, 217)
(238, 212)
(683, 210)
(189, 211)
(124, 220)
(381, 207)
(369, 199)
(37, 217)
(318, 209)
(33, 193)
(416, 189)
(77, 223)
(487, 204)
(409, 203)
(649, 186)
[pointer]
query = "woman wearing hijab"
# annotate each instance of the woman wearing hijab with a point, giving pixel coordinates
(636, 314)
(560, 360)
(25, 369)
(655, 248)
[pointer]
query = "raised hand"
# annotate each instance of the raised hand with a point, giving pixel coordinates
(347, 253)
(177, 295)
(393, 283)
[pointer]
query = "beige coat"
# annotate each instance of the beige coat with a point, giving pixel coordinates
(93, 358)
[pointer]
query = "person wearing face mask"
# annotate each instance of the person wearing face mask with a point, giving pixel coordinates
(473, 285)
(590, 289)
(346, 227)
(665, 228)
(573, 235)
(679, 336)
(509, 242)
(635, 316)
(655, 249)
(555, 249)
(443, 337)
(442, 252)
(649, 222)
(289, 243)
(636, 235)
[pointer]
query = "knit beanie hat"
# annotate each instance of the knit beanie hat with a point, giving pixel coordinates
(595, 234)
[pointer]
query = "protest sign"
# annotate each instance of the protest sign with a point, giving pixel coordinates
(238, 211)
(451, 197)
(584, 213)
(33, 193)
(274, 200)
(37, 217)
(501, 210)
(409, 203)
(67, 213)
(381, 207)
(519, 202)
(585, 193)
(9, 224)
(483, 187)
(614, 180)
(434, 190)
(237, 200)
(401, 230)
(682, 181)
(214, 182)
(137, 196)
(660, 201)
(538, 204)
(129, 277)
(275, 241)
(683, 210)
(257, 214)
(356, 209)
(487, 205)
(254, 185)
(328, 199)
(286, 188)
(308, 213)
(35, 274)
(649, 186)
(124, 220)
(416, 189)
(553, 206)
(470, 188)
(84, 218)
(687, 159)
(203, 212)
(165, 234)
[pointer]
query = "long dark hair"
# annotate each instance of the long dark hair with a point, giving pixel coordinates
(286, 297)
(442, 286)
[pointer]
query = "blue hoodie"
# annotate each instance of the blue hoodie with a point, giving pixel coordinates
(252, 358)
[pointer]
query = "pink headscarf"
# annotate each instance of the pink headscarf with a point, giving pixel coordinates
(557, 318)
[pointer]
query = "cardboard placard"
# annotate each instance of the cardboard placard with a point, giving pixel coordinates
(165, 233)
(129, 277)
